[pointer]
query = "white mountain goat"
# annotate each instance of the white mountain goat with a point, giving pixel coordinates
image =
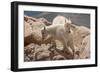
(62, 33)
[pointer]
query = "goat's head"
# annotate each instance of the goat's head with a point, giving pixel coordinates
(68, 21)
(44, 33)
(67, 25)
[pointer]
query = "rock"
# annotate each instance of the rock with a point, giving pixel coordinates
(59, 57)
(46, 22)
(35, 49)
(32, 30)
(29, 19)
(41, 56)
(26, 59)
(27, 29)
(29, 49)
(42, 53)
(85, 51)
(60, 20)
(79, 34)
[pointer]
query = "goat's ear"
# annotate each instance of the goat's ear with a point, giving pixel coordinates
(69, 20)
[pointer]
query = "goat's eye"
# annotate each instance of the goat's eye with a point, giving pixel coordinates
(83, 36)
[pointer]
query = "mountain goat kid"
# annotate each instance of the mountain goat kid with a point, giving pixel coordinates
(62, 33)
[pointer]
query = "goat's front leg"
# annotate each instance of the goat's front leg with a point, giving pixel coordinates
(67, 50)
(71, 45)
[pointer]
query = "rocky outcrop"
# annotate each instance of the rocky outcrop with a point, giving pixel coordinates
(32, 33)
(47, 23)
(37, 49)
(85, 51)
